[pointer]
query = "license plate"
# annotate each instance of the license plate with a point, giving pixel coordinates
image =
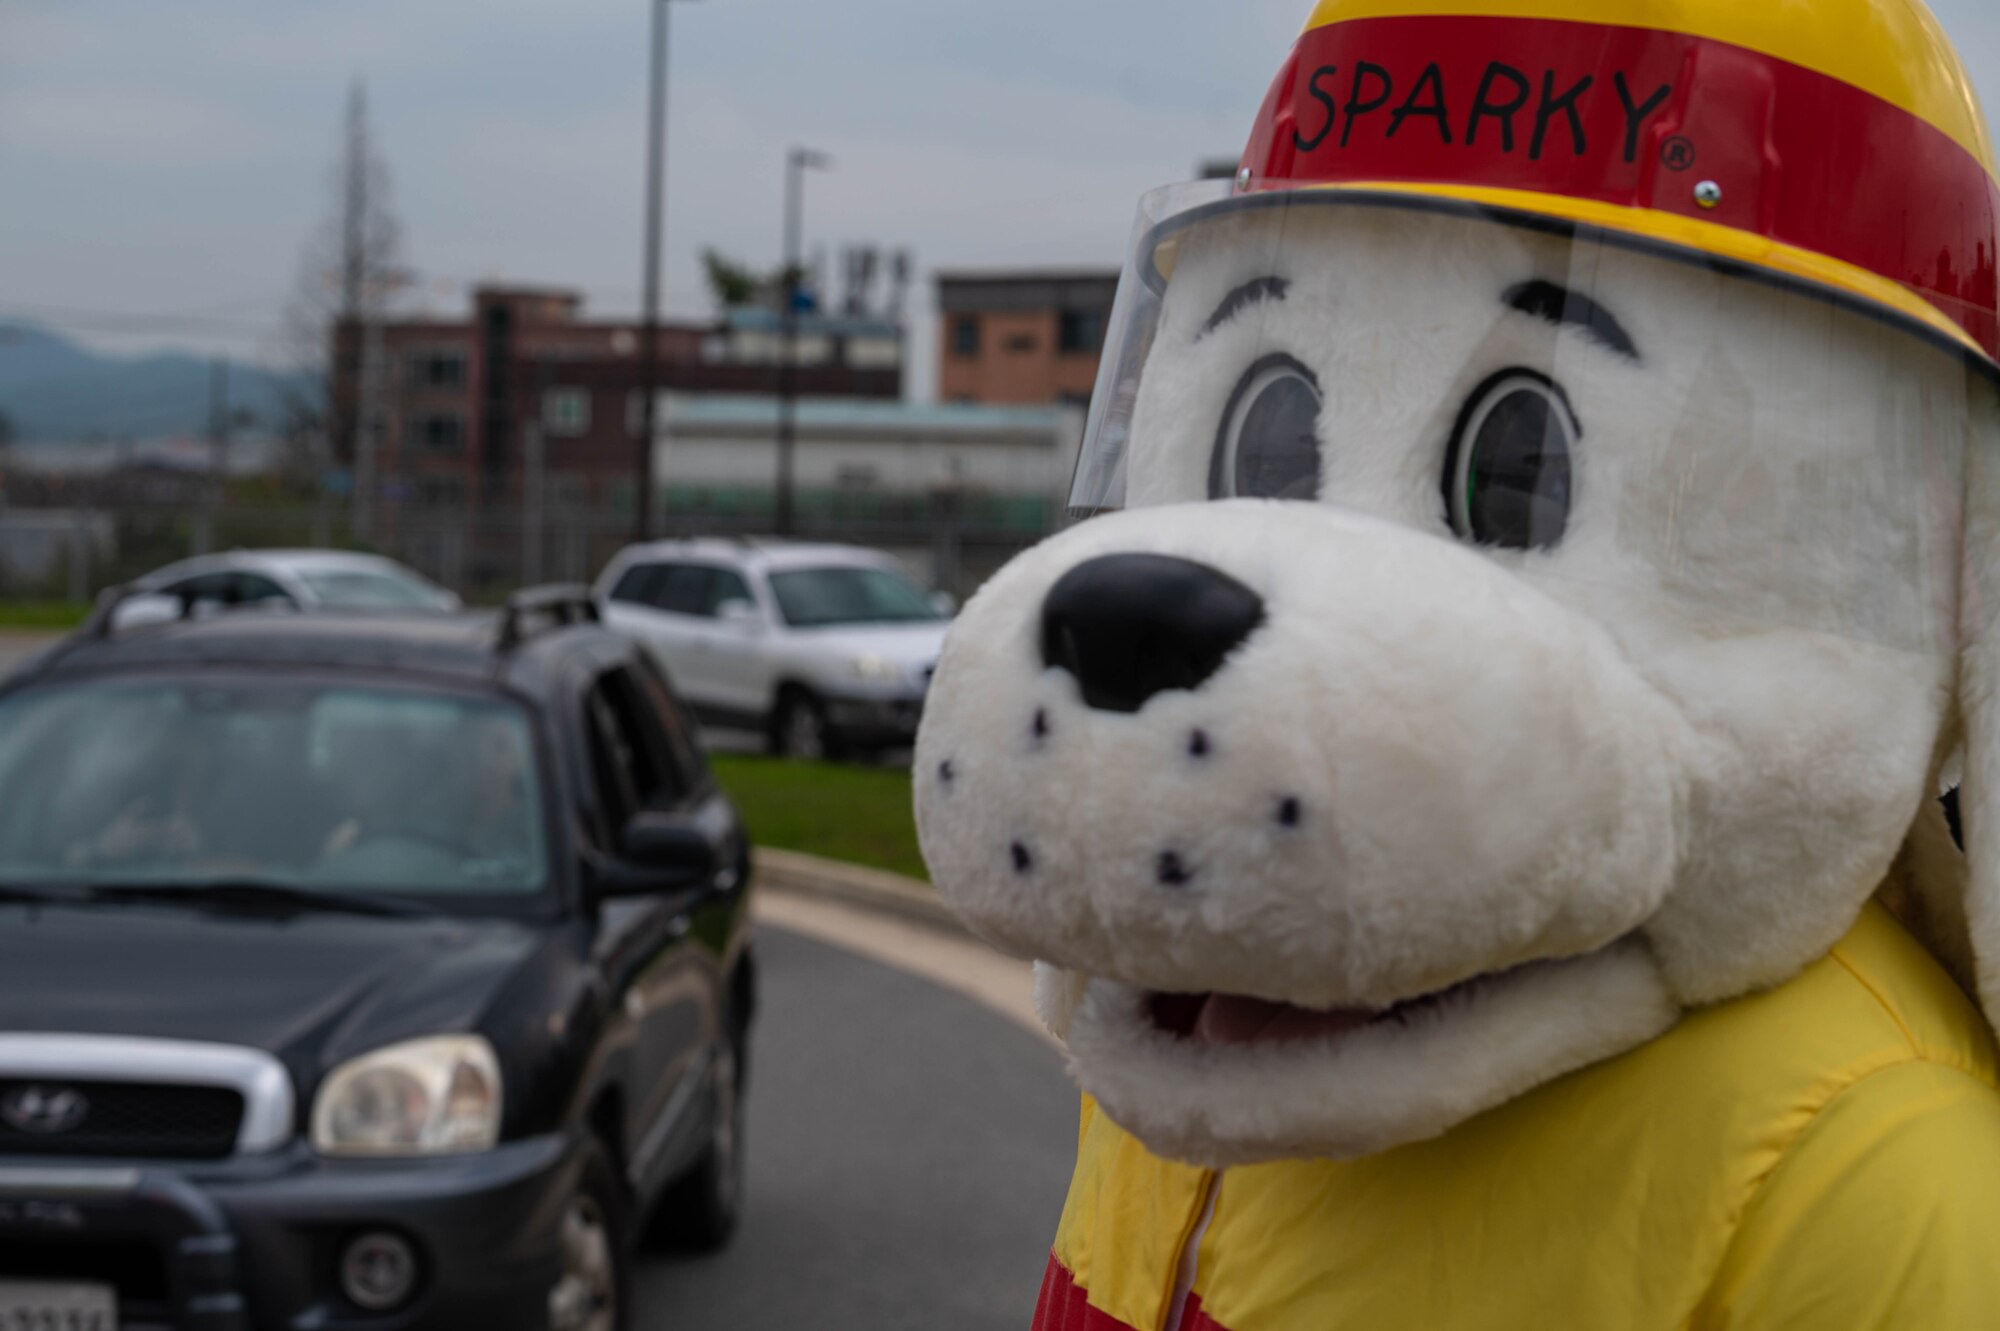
(58, 1307)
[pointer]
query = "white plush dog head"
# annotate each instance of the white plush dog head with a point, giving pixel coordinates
(1594, 665)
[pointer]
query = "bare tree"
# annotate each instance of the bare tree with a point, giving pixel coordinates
(347, 277)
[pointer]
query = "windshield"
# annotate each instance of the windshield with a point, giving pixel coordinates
(319, 785)
(822, 597)
(360, 589)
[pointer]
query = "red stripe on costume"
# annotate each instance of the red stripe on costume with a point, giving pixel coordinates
(1065, 1306)
(1637, 117)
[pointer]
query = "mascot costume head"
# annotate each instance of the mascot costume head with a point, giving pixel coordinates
(1538, 576)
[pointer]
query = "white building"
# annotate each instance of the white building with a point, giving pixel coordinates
(955, 489)
(1023, 456)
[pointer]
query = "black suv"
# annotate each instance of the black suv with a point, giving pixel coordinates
(360, 973)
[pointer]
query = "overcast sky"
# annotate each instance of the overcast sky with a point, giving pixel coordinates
(173, 159)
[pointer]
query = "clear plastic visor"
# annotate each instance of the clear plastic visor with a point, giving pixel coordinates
(1600, 407)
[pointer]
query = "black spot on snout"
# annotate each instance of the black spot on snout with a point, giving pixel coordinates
(1198, 745)
(1290, 812)
(1173, 871)
(1023, 861)
(947, 773)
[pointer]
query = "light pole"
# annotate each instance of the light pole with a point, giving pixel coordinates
(797, 164)
(649, 334)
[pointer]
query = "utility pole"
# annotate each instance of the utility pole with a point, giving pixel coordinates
(534, 471)
(366, 430)
(797, 163)
(375, 401)
(649, 334)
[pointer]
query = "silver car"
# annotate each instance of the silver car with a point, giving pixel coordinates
(300, 579)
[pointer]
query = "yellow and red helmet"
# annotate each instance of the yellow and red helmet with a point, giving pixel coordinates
(1837, 142)
(1779, 219)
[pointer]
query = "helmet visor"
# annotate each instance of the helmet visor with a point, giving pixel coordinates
(1605, 407)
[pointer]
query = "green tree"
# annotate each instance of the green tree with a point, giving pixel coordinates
(732, 284)
(735, 285)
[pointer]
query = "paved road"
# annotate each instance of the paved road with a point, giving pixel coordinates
(909, 1152)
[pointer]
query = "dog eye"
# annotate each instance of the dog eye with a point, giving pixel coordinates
(1508, 481)
(1268, 447)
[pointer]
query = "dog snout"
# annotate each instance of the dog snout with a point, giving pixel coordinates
(1132, 626)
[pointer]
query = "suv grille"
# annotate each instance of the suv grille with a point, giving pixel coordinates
(123, 1119)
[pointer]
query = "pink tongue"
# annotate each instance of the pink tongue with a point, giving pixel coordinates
(1226, 1019)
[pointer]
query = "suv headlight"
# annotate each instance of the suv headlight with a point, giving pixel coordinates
(874, 668)
(427, 1097)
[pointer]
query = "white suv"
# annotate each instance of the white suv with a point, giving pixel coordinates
(824, 648)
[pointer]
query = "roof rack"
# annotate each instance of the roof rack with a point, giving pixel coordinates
(104, 614)
(100, 621)
(558, 607)
(100, 624)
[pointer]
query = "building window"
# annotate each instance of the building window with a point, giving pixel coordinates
(437, 369)
(566, 411)
(1080, 332)
(436, 432)
(965, 335)
(1022, 344)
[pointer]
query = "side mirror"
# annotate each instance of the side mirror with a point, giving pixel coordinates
(944, 603)
(673, 852)
(740, 614)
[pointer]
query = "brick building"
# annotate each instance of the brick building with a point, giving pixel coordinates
(455, 398)
(1021, 339)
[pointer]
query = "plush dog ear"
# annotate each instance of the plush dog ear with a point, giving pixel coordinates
(1946, 883)
(1958, 896)
(1971, 942)
(1930, 884)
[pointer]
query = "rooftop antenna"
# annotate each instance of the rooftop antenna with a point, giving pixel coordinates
(902, 267)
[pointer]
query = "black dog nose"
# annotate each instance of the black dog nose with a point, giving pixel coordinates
(1131, 626)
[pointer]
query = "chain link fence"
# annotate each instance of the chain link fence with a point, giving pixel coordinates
(66, 538)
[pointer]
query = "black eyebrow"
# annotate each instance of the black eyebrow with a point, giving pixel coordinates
(1559, 305)
(1241, 299)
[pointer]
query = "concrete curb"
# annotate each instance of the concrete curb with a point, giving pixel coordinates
(852, 885)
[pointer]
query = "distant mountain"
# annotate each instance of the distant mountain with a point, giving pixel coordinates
(52, 391)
